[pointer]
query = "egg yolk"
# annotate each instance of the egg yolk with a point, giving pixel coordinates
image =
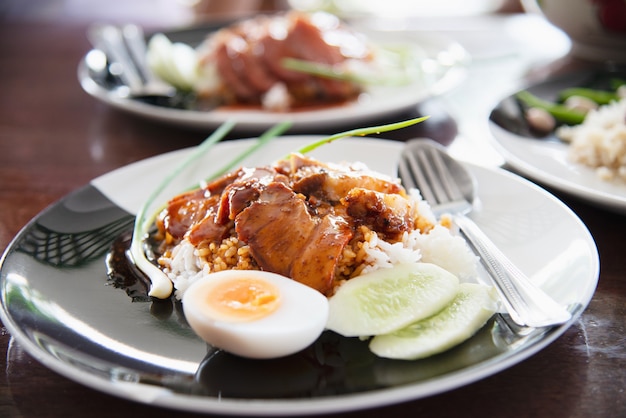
(244, 299)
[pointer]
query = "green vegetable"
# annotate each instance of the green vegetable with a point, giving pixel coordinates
(263, 139)
(390, 299)
(559, 111)
(320, 70)
(616, 83)
(336, 73)
(472, 307)
(395, 65)
(601, 97)
(361, 132)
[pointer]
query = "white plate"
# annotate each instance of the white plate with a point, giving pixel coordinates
(443, 65)
(546, 159)
(60, 310)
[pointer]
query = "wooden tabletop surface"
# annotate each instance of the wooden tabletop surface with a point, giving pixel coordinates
(54, 138)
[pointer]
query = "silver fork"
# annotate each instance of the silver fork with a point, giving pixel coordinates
(448, 187)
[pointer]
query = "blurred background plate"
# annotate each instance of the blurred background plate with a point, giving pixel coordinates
(443, 66)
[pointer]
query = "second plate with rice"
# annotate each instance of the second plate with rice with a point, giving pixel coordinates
(546, 159)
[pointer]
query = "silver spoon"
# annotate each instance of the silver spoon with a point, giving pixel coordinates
(125, 49)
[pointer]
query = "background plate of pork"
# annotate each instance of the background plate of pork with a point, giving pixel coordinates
(438, 65)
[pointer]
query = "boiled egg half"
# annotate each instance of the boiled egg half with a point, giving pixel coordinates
(255, 314)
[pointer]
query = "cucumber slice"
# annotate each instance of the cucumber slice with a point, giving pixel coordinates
(390, 298)
(468, 312)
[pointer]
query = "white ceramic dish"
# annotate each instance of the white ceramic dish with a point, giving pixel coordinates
(546, 159)
(443, 66)
(57, 305)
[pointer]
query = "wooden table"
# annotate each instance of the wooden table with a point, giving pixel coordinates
(55, 138)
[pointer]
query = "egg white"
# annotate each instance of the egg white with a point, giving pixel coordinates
(295, 324)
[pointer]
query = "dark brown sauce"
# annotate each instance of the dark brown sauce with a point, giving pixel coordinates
(123, 274)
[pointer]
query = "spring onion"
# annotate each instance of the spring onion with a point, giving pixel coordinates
(263, 139)
(332, 72)
(389, 76)
(361, 132)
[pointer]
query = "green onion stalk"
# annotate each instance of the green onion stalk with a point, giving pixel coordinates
(361, 132)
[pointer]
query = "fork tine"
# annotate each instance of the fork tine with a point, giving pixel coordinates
(405, 173)
(446, 179)
(426, 161)
(414, 172)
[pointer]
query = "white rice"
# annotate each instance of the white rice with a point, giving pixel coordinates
(184, 267)
(439, 246)
(600, 141)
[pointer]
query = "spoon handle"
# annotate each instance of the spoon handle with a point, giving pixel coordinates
(526, 303)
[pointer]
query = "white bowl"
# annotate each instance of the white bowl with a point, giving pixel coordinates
(597, 28)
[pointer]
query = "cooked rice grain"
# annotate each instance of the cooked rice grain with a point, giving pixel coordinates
(600, 141)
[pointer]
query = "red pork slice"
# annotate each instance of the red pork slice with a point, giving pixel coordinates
(285, 239)
(185, 210)
(335, 181)
(244, 190)
(256, 73)
(332, 184)
(275, 227)
(208, 230)
(308, 40)
(387, 214)
(304, 32)
(275, 49)
(315, 266)
(218, 185)
(230, 65)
